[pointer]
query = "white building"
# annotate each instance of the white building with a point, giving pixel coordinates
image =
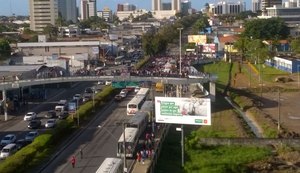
(106, 14)
(42, 13)
(68, 10)
(159, 13)
(256, 5)
(289, 15)
(224, 7)
(87, 9)
(125, 14)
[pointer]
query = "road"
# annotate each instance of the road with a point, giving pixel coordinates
(96, 143)
(19, 127)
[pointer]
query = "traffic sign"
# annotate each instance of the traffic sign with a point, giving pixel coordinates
(124, 84)
(72, 107)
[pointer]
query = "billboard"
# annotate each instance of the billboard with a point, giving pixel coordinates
(198, 39)
(209, 48)
(175, 110)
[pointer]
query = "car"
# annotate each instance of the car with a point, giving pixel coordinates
(88, 90)
(108, 82)
(50, 123)
(30, 116)
(34, 124)
(86, 97)
(22, 143)
(8, 150)
(50, 114)
(77, 97)
(8, 139)
(63, 115)
(118, 97)
(100, 82)
(99, 68)
(136, 89)
(124, 93)
(30, 136)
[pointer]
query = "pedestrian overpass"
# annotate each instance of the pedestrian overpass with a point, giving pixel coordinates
(10, 85)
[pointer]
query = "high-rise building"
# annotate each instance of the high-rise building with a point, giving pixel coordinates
(42, 13)
(88, 9)
(129, 7)
(256, 5)
(269, 3)
(224, 7)
(68, 10)
(167, 6)
(106, 14)
(186, 6)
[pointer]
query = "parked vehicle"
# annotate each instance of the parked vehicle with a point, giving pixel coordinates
(30, 116)
(50, 114)
(8, 139)
(8, 150)
(30, 136)
(34, 124)
(50, 123)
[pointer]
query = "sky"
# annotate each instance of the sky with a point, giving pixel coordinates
(20, 7)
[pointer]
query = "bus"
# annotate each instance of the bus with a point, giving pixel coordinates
(136, 103)
(119, 60)
(139, 121)
(131, 141)
(111, 165)
(159, 87)
(148, 108)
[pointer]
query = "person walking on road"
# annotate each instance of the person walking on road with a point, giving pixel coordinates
(81, 153)
(73, 161)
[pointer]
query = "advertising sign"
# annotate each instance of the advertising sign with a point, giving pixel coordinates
(209, 48)
(175, 110)
(72, 107)
(198, 39)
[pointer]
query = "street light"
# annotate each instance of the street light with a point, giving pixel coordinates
(180, 50)
(93, 98)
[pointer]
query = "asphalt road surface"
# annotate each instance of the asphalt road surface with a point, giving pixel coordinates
(96, 143)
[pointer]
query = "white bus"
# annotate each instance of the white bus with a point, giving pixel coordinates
(136, 103)
(139, 121)
(143, 92)
(131, 140)
(111, 165)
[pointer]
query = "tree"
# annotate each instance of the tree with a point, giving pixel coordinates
(51, 31)
(5, 49)
(242, 46)
(295, 45)
(258, 51)
(266, 29)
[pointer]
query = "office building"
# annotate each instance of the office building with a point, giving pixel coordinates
(42, 13)
(161, 10)
(68, 10)
(256, 5)
(106, 14)
(224, 7)
(87, 9)
(269, 3)
(129, 7)
(186, 7)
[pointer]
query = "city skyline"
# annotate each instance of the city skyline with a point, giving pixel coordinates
(21, 7)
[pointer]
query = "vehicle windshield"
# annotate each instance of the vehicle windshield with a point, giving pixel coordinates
(6, 138)
(131, 106)
(4, 150)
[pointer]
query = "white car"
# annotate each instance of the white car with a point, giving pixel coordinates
(30, 116)
(77, 97)
(30, 136)
(123, 93)
(8, 139)
(108, 82)
(136, 89)
(50, 123)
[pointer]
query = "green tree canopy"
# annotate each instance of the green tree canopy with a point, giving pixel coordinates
(266, 29)
(5, 49)
(295, 45)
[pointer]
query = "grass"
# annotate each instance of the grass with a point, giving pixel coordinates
(269, 73)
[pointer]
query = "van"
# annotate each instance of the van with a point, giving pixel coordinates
(8, 150)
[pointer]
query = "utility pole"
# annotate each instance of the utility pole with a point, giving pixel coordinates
(278, 123)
